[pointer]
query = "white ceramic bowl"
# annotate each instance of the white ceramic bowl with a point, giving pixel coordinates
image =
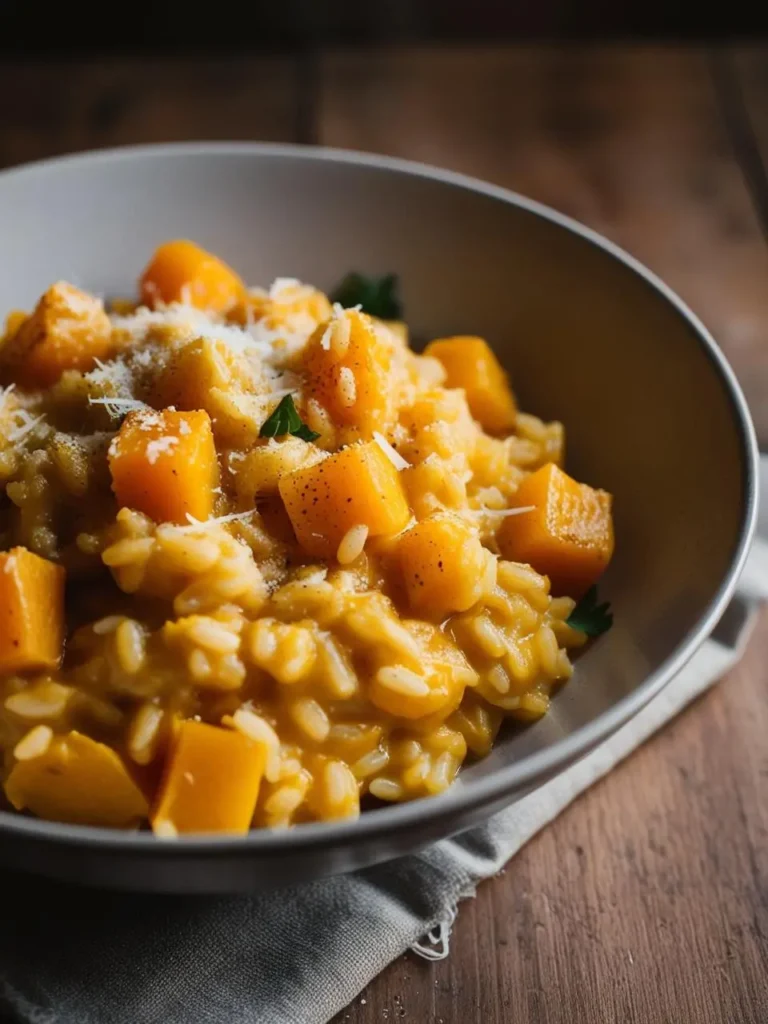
(652, 412)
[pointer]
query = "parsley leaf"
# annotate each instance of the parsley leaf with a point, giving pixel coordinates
(590, 617)
(376, 296)
(305, 433)
(285, 420)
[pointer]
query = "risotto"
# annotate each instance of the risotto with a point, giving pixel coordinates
(260, 562)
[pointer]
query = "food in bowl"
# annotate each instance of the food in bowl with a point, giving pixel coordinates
(260, 561)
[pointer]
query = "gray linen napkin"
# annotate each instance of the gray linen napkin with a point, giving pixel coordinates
(296, 956)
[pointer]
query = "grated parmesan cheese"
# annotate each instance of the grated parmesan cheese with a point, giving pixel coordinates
(162, 446)
(143, 358)
(233, 517)
(78, 302)
(392, 454)
(118, 406)
(4, 393)
(339, 310)
(115, 373)
(191, 323)
(283, 284)
(25, 425)
(503, 512)
(284, 341)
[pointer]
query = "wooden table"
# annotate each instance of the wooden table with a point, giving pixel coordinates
(647, 901)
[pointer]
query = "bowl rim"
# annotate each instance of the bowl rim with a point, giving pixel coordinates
(532, 769)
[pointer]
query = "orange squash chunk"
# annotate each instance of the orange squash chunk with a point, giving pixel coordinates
(31, 611)
(470, 364)
(211, 782)
(181, 271)
(348, 372)
(164, 465)
(68, 330)
(77, 780)
(356, 486)
(569, 534)
(442, 563)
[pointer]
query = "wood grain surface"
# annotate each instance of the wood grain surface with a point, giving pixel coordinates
(48, 108)
(647, 901)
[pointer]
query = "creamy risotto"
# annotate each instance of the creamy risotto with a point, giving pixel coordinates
(261, 563)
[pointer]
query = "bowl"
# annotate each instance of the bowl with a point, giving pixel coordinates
(652, 412)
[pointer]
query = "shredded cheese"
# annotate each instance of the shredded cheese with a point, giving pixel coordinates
(191, 323)
(118, 406)
(4, 393)
(282, 284)
(26, 425)
(233, 517)
(162, 446)
(283, 341)
(115, 373)
(502, 511)
(392, 454)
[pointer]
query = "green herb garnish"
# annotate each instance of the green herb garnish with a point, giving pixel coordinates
(285, 420)
(590, 617)
(376, 296)
(305, 433)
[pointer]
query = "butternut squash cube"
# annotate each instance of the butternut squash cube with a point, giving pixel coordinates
(13, 322)
(31, 611)
(471, 364)
(79, 781)
(569, 534)
(348, 373)
(356, 486)
(164, 465)
(68, 330)
(211, 781)
(181, 271)
(442, 563)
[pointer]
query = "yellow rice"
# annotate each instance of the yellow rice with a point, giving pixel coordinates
(227, 621)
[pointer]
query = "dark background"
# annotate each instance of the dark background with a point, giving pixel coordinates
(172, 26)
